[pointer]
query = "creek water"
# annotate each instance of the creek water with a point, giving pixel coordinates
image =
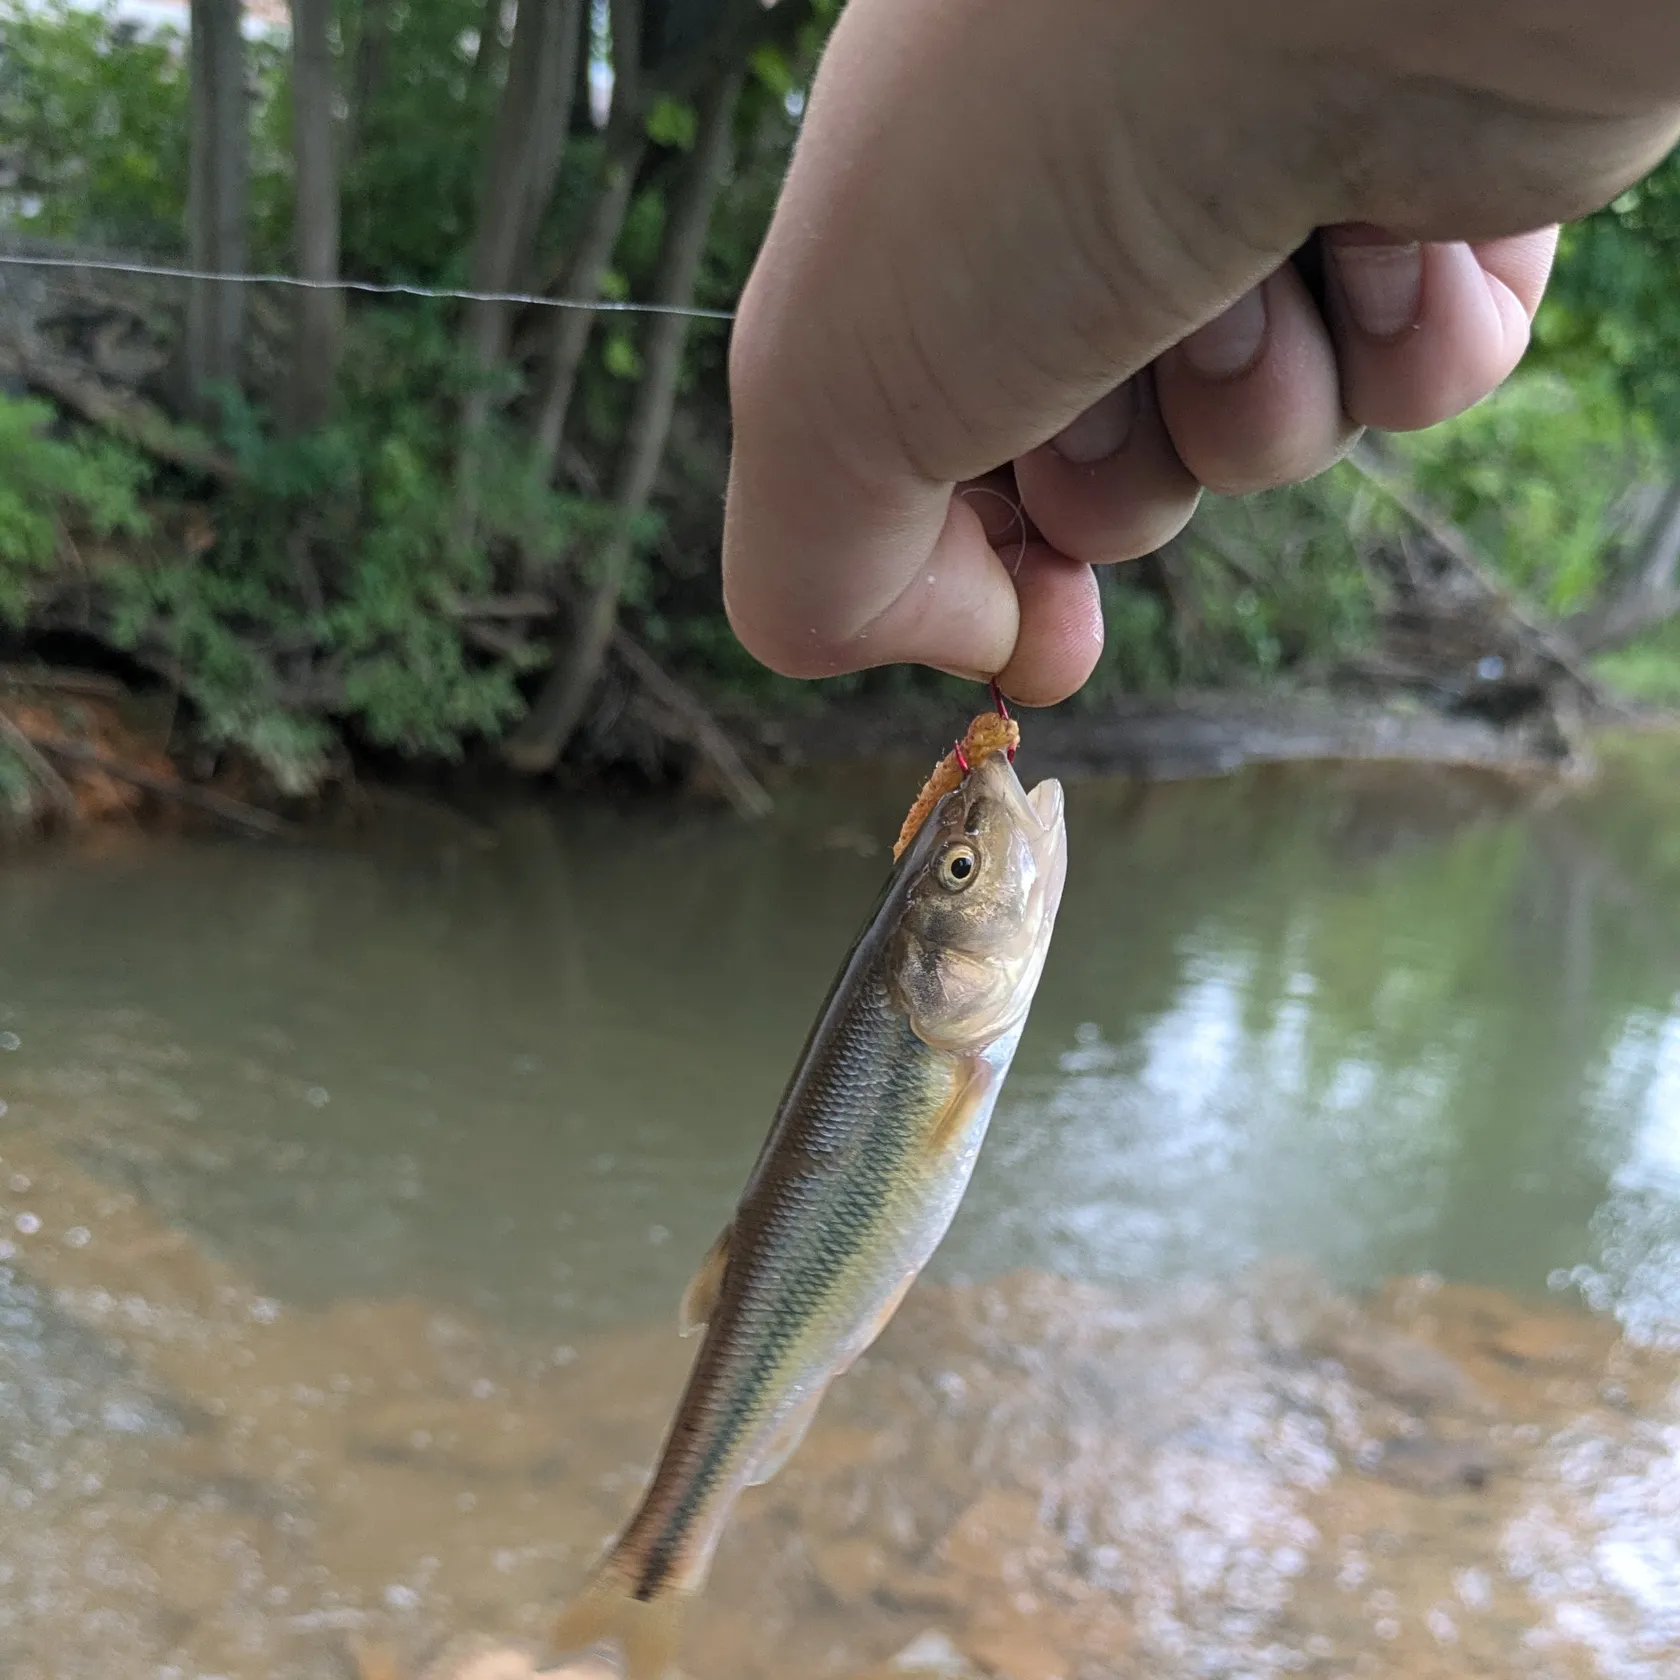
(1315, 1309)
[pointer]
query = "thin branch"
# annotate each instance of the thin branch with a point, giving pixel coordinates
(1648, 598)
(572, 328)
(746, 793)
(1461, 551)
(28, 754)
(92, 684)
(129, 418)
(235, 813)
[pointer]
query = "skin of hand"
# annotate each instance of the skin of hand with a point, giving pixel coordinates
(1027, 290)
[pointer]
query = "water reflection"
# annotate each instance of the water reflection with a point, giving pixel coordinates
(1384, 1023)
(1635, 1114)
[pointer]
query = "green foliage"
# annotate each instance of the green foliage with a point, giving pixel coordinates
(1614, 307)
(619, 355)
(330, 600)
(95, 126)
(17, 791)
(49, 483)
(1137, 656)
(93, 112)
(1538, 477)
(1648, 669)
(332, 591)
(410, 186)
(672, 122)
(1255, 589)
(772, 69)
(1278, 577)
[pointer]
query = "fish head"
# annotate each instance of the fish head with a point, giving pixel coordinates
(986, 882)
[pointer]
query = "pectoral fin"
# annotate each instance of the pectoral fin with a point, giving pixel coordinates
(700, 1299)
(972, 1086)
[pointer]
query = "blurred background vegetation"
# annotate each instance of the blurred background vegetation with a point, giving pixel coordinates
(333, 524)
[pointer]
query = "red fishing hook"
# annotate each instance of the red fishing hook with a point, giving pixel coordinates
(1002, 710)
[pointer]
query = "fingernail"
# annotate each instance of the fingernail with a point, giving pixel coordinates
(1227, 345)
(1383, 285)
(1100, 430)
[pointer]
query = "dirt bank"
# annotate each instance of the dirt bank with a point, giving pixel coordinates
(77, 750)
(1201, 734)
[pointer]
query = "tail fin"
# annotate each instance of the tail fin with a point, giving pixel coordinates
(646, 1631)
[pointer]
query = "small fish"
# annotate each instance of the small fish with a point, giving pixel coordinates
(857, 1183)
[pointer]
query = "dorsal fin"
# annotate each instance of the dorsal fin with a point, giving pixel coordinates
(700, 1299)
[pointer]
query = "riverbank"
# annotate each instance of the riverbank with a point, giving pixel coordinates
(78, 749)
(1192, 735)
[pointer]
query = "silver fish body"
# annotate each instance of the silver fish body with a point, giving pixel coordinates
(864, 1168)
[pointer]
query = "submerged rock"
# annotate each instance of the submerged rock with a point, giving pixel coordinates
(929, 1656)
(1026, 1479)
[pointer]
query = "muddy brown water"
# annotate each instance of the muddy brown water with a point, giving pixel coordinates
(1316, 1309)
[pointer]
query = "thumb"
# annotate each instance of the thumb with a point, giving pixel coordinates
(831, 568)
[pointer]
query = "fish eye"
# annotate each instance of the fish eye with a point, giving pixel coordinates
(958, 867)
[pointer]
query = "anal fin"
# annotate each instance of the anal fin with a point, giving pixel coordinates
(871, 1332)
(785, 1442)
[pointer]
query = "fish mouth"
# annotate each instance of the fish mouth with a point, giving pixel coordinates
(1049, 845)
(1047, 803)
(1039, 817)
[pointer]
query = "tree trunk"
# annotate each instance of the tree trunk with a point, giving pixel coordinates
(1650, 595)
(319, 333)
(551, 122)
(626, 16)
(218, 194)
(487, 61)
(626, 144)
(518, 164)
(373, 53)
(583, 280)
(536, 746)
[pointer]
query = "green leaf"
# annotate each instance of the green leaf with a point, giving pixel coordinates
(621, 357)
(672, 123)
(769, 64)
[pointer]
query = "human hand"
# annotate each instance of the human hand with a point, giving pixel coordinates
(1043, 250)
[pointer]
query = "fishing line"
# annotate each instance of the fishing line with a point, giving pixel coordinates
(377, 288)
(1018, 517)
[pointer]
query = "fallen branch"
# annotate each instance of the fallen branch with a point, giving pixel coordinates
(1650, 598)
(233, 812)
(702, 731)
(130, 418)
(91, 685)
(29, 755)
(1458, 548)
(529, 605)
(490, 637)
